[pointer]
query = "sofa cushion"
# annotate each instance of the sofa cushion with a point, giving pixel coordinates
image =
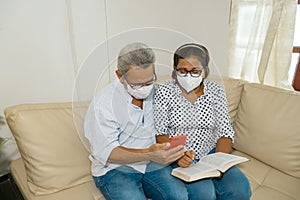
(47, 138)
(267, 182)
(86, 191)
(266, 127)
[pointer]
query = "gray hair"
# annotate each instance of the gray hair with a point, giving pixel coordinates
(135, 54)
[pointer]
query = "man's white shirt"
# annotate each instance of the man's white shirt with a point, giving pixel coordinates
(111, 121)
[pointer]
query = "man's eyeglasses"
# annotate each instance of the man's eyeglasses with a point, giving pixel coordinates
(194, 72)
(136, 86)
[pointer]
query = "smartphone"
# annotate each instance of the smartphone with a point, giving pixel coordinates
(177, 140)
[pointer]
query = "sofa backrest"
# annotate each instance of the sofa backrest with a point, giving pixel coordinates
(233, 89)
(55, 152)
(49, 144)
(267, 127)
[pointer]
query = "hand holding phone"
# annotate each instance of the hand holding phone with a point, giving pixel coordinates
(177, 140)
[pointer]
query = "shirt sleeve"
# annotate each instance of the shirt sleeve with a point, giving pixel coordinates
(161, 110)
(223, 122)
(101, 130)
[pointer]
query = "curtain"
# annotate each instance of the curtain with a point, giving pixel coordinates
(261, 34)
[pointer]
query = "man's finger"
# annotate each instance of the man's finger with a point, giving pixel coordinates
(176, 155)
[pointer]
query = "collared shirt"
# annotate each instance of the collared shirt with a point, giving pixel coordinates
(111, 121)
(204, 122)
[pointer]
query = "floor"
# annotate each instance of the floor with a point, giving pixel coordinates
(8, 188)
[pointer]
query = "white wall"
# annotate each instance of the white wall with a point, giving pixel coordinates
(204, 21)
(54, 50)
(34, 57)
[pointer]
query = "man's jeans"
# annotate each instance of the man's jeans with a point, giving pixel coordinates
(157, 183)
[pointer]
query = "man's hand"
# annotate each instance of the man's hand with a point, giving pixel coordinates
(162, 154)
(187, 159)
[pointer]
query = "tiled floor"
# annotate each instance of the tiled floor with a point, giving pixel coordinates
(8, 189)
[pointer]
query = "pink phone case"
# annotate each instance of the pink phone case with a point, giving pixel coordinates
(177, 140)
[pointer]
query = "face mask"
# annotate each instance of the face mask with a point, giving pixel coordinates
(141, 93)
(188, 82)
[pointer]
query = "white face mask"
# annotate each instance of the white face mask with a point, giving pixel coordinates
(141, 93)
(188, 82)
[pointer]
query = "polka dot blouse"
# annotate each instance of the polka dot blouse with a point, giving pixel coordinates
(204, 122)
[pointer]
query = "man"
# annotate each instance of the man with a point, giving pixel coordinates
(119, 126)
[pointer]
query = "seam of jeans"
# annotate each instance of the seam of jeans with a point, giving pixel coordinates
(217, 192)
(107, 193)
(101, 186)
(157, 188)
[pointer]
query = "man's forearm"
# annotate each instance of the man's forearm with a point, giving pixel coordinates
(122, 155)
(157, 152)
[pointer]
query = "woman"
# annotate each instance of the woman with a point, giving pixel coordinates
(191, 105)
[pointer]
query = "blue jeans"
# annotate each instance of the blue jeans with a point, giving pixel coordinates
(125, 183)
(233, 185)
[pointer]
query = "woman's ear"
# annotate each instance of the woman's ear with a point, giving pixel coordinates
(205, 72)
(174, 72)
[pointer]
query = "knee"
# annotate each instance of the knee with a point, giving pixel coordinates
(202, 190)
(176, 191)
(236, 185)
(178, 195)
(204, 195)
(241, 195)
(241, 192)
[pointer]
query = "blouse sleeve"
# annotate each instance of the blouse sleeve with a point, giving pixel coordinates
(161, 110)
(223, 122)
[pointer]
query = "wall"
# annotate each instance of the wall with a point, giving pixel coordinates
(56, 51)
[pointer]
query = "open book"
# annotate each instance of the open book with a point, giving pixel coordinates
(208, 166)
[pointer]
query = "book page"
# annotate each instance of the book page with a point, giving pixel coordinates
(195, 172)
(222, 161)
(208, 166)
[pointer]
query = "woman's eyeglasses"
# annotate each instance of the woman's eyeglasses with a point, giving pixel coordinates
(194, 72)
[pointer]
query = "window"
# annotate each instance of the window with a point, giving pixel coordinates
(260, 39)
(294, 72)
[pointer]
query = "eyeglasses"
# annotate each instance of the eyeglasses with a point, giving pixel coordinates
(136, 86)
(194, 72)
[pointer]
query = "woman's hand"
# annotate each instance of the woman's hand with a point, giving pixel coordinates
(187, 159)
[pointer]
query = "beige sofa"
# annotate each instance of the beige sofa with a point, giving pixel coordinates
(54, 161)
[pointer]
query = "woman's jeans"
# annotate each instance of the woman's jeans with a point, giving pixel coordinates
(125, 183)
(233, 185)
(157, 183)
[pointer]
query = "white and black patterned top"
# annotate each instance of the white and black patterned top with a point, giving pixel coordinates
(204, 122)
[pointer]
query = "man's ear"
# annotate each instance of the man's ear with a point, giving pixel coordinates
(119, 75)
